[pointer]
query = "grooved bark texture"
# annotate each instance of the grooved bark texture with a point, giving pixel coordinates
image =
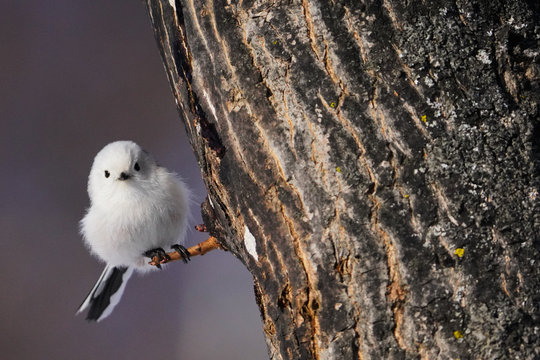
(373, 164)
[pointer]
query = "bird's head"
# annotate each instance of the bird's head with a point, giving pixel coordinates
(119, 165)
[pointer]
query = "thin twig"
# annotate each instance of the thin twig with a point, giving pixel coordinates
(200, 249)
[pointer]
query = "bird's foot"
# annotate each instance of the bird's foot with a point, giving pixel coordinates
(158, 256)
(183, 252)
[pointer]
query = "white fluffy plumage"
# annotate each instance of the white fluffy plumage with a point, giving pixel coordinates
(135, 206)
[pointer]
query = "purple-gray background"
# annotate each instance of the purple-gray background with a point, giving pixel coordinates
(75, 75)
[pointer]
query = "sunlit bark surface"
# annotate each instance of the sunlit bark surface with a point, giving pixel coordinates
(373, 164)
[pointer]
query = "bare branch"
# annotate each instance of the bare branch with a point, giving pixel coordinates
(200, 249)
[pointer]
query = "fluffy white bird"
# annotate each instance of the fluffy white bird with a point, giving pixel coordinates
(137, 208)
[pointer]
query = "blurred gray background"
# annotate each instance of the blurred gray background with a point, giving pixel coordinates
(74, 76)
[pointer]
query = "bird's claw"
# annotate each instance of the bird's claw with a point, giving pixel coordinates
(158, 256)
(183, 252)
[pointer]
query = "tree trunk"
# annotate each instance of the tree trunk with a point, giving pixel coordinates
(373, 164)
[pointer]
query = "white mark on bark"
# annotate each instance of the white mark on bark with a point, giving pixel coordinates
(483, 57)
(209, 102)
(249, 242)
(173, 5)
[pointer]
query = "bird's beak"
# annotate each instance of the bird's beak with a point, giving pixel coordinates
(123, 176)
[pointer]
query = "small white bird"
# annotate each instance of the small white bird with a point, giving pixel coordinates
(137, 208)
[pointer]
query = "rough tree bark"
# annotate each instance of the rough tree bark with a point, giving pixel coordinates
(374, 164)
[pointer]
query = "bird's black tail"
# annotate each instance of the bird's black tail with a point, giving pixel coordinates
(106, 293)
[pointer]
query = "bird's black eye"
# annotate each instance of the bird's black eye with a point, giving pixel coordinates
(137, 167)
(107, 174)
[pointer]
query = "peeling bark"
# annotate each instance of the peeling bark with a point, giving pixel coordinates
(373, 164)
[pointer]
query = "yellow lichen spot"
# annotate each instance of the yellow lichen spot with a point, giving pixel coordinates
(338, 169)
(424, 118)
(406, 196)
(332, 105)
(458, 334)
(459, 252)
(274, 42)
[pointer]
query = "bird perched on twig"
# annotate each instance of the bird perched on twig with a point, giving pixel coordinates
(137, 208)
